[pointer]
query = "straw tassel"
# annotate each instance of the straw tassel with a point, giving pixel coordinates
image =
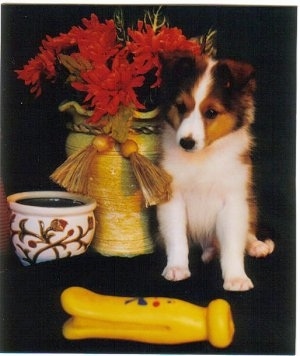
(73, 174)
(155, 183)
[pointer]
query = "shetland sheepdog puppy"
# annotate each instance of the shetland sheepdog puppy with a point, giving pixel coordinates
(208, 107)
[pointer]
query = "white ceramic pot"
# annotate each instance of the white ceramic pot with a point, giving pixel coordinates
(47, 225)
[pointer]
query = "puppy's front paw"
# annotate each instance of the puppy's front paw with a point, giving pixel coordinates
(176, 273)
(238, 284)
(260, 248)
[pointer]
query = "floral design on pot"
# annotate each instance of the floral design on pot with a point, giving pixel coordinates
(50, 225)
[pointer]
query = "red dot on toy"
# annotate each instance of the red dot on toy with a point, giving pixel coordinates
(156, 303)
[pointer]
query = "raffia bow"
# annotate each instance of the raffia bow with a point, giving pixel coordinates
(73, 174)
(154, 182)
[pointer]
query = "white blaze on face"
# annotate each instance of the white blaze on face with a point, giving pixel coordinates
(192, 127)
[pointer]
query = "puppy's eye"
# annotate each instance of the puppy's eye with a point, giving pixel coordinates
(211, 114)
(181, 108)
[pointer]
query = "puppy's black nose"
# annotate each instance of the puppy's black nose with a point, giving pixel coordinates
(187, 143)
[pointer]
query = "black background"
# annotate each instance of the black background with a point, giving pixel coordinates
(32, 146)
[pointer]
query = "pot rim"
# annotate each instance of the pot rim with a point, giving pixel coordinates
(89, 204)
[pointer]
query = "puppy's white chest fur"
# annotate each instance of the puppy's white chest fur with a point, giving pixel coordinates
(206, 180)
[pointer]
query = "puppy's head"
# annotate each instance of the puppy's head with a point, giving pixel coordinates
(203, 99)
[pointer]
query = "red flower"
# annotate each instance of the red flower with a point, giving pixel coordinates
(58, 224)
(70, 232)
(42, 66)
(142, 47)
(98, 43)
(59, 43)
(32, 244)
(38, 68)
(107, 89)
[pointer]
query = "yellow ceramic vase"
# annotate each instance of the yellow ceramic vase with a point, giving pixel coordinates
(124, 226)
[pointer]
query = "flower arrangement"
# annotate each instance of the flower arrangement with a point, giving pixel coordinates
(116, 71)
(106, 62)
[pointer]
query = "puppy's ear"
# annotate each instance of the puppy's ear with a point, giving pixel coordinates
(236, 75)
(176, 66)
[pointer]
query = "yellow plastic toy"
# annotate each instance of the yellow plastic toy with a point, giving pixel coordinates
(151, 320)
